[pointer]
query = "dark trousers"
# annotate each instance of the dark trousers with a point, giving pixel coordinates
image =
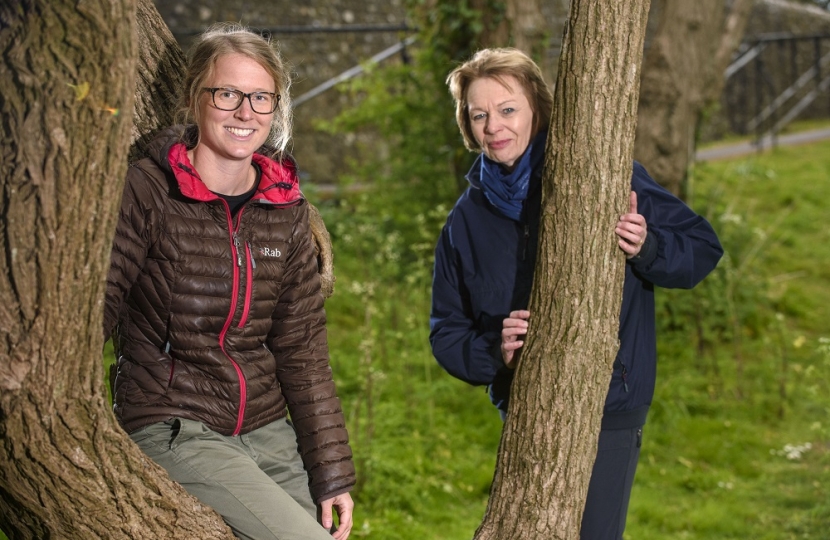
(611, 480)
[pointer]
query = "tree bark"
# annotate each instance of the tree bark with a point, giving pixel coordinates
(683, 75)
(522, 25)
(67, 86)
(549, 441)
(161, 67)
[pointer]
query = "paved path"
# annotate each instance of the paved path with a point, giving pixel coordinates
(744, 148)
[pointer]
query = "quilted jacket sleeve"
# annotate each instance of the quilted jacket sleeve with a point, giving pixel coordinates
(129, 246)
(298, 341)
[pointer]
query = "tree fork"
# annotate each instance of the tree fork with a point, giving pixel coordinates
(549, 440)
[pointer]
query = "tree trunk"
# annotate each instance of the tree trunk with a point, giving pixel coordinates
(549, 441)
(683, 74)
(530, 31)
(522, 25)
(67, 81)
(161, 67)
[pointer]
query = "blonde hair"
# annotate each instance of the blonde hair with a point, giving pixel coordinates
(229, 38)
(498, 64)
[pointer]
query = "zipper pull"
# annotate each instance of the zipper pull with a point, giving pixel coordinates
(526, 242)
(251, 251)
(624, 378)
(236, 245)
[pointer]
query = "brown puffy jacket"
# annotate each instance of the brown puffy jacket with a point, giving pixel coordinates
(220, 319)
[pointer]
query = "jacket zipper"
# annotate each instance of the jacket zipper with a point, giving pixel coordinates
(172, 363)
(243, 386)
(526, 237)
(249, 270)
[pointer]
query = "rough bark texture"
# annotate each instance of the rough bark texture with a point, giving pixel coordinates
(549, 441)
(67, 81)
(683, 73)
(161, 66)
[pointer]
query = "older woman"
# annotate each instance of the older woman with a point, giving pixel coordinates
(480, 295)
(214, 296)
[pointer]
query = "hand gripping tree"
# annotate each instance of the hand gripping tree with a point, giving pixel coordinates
(549, 440)
(69, 73)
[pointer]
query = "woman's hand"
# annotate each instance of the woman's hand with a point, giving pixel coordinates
(344, 505)
(513, 327)
(632, 229)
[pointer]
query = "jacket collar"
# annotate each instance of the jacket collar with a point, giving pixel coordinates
(279, 183)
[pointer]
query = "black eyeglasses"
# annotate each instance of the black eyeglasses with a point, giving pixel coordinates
(228, 99)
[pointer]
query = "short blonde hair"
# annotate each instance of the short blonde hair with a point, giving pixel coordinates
(498, 64)
(229, 38)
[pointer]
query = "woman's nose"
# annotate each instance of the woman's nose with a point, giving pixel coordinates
(244, 112)
(491, 125)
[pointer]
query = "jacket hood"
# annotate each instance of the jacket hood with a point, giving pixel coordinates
(279, 181)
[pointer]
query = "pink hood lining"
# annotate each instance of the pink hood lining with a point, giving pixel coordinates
(279, 183)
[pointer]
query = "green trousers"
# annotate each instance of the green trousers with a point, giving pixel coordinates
(256, 481)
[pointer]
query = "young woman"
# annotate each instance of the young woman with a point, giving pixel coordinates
(486, 254)
(214, 298)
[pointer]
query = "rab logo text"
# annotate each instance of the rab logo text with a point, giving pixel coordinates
(268, 252)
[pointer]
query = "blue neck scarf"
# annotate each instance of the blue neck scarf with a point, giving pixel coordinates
(508, 190)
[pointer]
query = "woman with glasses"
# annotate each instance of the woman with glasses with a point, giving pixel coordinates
(214, 305)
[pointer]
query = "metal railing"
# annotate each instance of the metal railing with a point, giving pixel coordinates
(354, 71)
(774, 79)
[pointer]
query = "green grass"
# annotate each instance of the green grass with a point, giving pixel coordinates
(713, 463)
(743, 373)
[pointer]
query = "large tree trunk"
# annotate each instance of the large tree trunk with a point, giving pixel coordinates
(549, 441)
(683, 74)
(67, 86)
(161, 67)
(67, 80)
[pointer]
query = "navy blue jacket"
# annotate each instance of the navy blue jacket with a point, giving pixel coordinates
(484, 264)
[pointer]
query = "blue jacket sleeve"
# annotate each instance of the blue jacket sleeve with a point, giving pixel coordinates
(467, 353)
(681, 247)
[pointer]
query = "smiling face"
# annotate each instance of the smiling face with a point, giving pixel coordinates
(233, 135)
(501, 119)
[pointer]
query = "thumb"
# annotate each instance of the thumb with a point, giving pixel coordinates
(325, 515)
(632, 203)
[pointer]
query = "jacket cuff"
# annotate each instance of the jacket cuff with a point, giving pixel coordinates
(648, 252)
(333, 494)
(496, 358)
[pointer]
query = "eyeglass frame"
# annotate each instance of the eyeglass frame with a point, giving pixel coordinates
(212, 92)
